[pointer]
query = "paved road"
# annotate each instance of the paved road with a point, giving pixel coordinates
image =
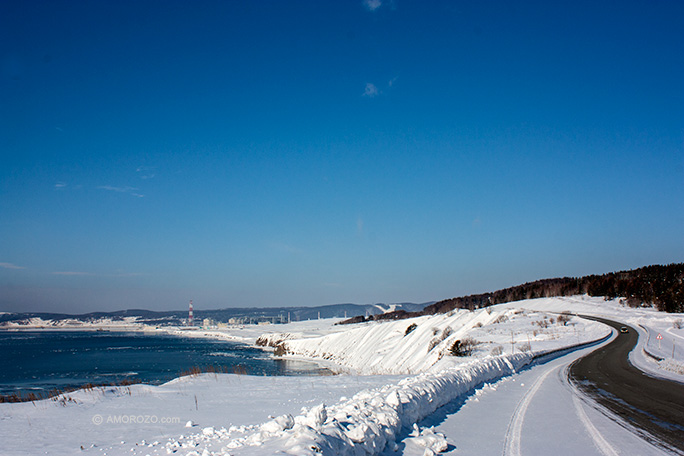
(655, 407)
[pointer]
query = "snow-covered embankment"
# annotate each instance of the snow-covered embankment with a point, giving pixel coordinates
(372, 419)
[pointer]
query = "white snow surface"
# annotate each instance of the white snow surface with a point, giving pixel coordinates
(124, 324)
(344, 414)
(648, 321)
(370, 420)
(249, 334)
(384, 347)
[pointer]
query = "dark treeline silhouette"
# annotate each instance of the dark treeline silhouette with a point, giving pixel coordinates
(661, 286)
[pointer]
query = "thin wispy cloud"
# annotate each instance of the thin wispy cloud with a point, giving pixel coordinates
(11, 266)
(359, 225)
(145, 172)
(128, 190)
(73, 273)
(92, 274)
(371, 90)
(60, 185)
(372, 5)
(392, 81)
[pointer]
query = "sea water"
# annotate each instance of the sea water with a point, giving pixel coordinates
(41, 361)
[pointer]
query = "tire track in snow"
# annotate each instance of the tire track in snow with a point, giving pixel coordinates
(514, 431)
(601, 444)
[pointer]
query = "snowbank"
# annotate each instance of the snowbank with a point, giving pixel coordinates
(362, 425)
(367, 423)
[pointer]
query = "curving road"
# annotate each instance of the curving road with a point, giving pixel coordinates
(655, 407)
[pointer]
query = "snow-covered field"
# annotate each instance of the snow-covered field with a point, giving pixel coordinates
(124, 324)
(415, 374)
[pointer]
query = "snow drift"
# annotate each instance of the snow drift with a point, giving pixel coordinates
(369, 421)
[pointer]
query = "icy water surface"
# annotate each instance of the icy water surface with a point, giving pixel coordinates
(40, 361)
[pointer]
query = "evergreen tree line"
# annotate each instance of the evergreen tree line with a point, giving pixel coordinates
(658, 285)
(661, 286)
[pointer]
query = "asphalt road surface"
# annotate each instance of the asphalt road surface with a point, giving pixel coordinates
(654, 407)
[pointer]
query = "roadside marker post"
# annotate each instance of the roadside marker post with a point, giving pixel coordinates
(659, 337)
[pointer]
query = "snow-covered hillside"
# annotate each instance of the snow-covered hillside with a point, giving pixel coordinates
(424, 343)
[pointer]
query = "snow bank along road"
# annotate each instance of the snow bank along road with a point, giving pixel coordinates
(654, 406)
(533, 412)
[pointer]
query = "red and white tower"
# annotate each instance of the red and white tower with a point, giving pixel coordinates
(190, 318)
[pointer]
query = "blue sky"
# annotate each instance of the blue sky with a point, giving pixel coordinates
(269, 153)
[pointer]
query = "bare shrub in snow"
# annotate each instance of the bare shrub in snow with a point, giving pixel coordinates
(433, 343)
(677, 324)
(634, 302)
(410, 328)
(524, 347)
(501, 319)
(280, 349)
(463, 347)
(478, 325)
(272, 340)
(446, 332)
(435, 331)
(564, 318)
(496, 351)
(542, 323)
(262, 341)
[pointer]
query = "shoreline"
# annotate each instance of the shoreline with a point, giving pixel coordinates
(319, 368)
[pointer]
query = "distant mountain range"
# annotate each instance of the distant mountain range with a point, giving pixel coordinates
(240, 315)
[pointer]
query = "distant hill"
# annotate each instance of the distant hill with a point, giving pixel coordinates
(237, 314)
(657, 285)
